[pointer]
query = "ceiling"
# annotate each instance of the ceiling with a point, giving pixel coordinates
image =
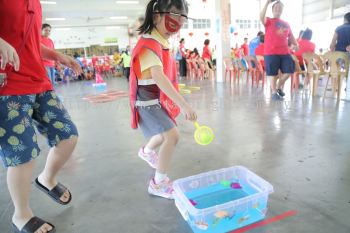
(86, 13)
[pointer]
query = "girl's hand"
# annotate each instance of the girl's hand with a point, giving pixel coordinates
(190, 114)
(8, 55)
(69, 62)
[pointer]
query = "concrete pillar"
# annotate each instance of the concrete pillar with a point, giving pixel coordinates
(222, 35)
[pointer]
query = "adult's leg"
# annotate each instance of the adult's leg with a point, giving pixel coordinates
(57, 157)
(19, 185)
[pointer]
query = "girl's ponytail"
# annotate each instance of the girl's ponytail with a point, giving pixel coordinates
(148, 24)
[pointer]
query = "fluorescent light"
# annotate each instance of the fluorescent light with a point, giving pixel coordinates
(127, 2)
(55, 19)
(48, 2)
(118, 17)
(112, 27)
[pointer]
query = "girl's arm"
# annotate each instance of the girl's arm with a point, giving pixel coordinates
(166, 86)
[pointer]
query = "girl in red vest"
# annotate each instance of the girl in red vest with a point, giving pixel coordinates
(154, 99)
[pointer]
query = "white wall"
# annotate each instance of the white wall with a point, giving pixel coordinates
(250, 9)
(199, 10)
(323, 32)
(84, 37)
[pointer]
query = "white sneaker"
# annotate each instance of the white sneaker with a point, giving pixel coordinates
(163, 189)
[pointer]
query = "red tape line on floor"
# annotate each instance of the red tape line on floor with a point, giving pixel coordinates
(267, 221)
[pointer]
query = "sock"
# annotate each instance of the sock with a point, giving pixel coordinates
(159, 177)
(147, 150)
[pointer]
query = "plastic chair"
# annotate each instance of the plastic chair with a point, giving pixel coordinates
(314, 69)
(337, 70)
(295, 76)
(229, 68)
(260, 71)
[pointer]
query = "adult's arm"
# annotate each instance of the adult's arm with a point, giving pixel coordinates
(8, 55)
(334, 41)
(263, 12)
(52, 54)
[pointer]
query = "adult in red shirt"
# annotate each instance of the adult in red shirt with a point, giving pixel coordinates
(260, 50)
(46, 41)
(27, 97)
(277, 56)
(305, 46)
(206, 55)
(245, 47)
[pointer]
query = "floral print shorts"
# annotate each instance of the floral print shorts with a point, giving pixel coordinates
(20, 115)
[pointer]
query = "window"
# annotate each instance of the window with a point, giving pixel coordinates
(185, 25)
(201, 23)
(247, 23)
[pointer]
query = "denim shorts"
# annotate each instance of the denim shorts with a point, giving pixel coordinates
(153, 120)
(273, 63)
(20, 115)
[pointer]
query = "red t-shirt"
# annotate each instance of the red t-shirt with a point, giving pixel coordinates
(245, 49)
(94, 61)
(206, 53)
(305, 46)
(277, 33)
(14, 24)
(48, 43)
(182, 50)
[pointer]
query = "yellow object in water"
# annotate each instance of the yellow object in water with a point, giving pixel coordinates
(185, 91)
(193, 88)
(203, 134)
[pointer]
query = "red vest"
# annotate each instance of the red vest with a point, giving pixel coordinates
(169, 68)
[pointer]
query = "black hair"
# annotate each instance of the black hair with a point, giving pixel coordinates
(262, 38)
(207, 41)
(195, 50)
(307, 34)
(76, 55)
(245, 38)
(347, 17)
(160, 6)
(45, 25)
(260, 33)
(182, 40)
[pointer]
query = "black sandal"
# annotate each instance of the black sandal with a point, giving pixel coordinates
(32, 226)
(55, 193)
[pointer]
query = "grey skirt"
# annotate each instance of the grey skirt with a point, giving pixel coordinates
(153, 120)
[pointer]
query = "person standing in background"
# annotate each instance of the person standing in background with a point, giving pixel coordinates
(126, 59)
(183, 67)
(46, 41)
